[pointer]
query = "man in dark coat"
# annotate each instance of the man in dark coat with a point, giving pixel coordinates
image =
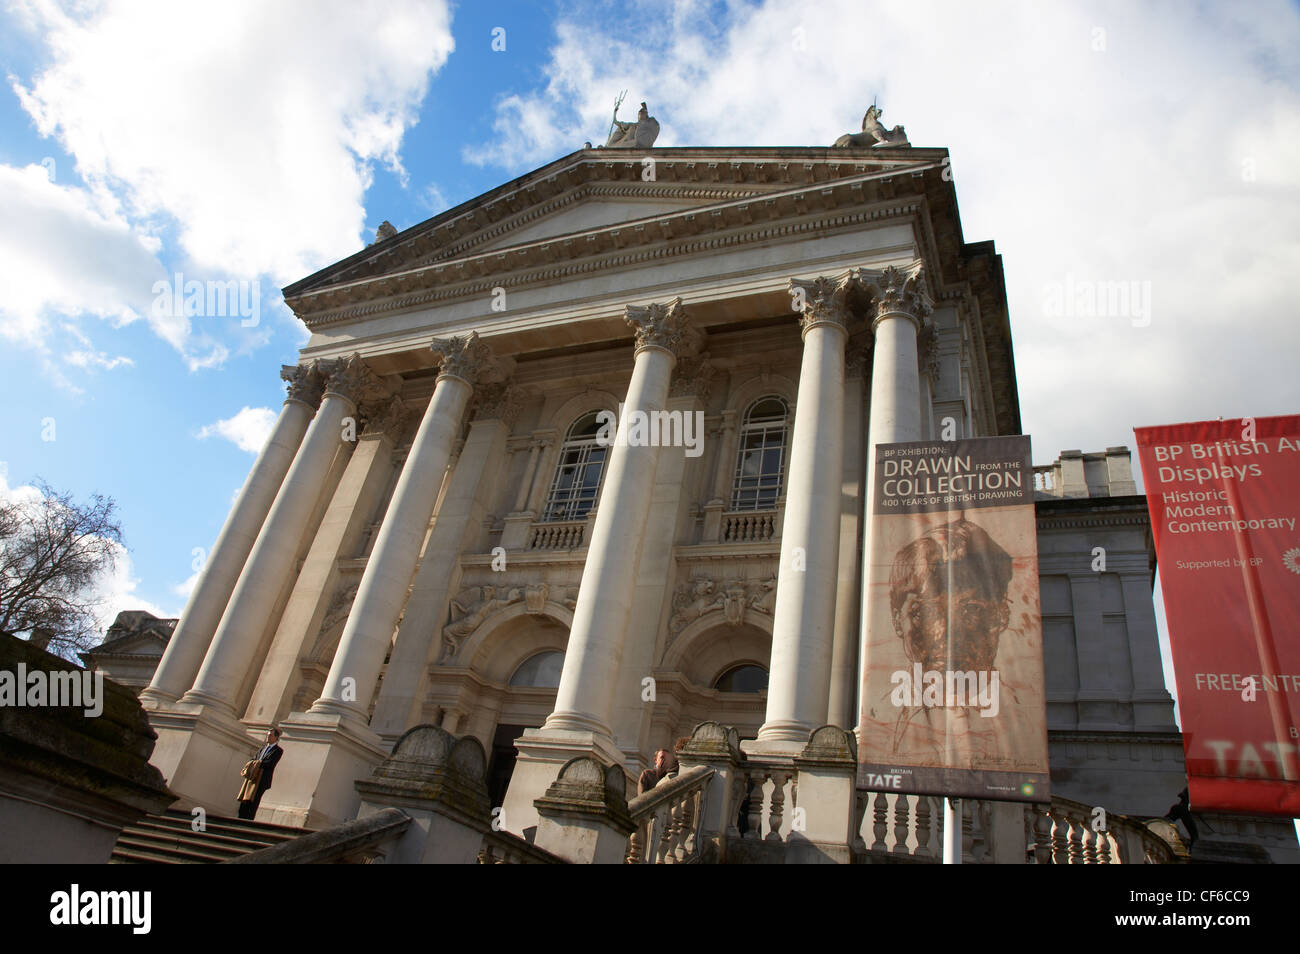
(664, 764)
(267, 759)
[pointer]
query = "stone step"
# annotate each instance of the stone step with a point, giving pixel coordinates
(169, 839)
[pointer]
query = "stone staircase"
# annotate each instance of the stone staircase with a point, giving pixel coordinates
(169, 839)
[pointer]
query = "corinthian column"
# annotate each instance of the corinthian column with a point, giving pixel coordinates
(803, 620)
(193, 635)
(901, 305)
(236, 642)
(584, 702)
(368, 633)
(584, 699)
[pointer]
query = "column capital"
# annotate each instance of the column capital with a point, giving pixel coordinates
(306, 383)
(466, 357)
(501, 402)
(694, 376)
(822, 301)
(663, 325)
(898, 292)
(349, 378)
(928, 346)
(385, 417)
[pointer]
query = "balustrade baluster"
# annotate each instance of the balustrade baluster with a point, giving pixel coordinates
(756, 778)
(881, 827)
(900, 824)
(1042, 835)
(1089, 844)
(923, 813)
(1077, 828)
(777, 815)
(1060, 838)
(860, 804)
(1103, 850)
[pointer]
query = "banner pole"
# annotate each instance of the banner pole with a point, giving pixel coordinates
(951, 831)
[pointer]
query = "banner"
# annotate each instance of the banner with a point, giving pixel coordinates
(1224, 498)
(953, 699)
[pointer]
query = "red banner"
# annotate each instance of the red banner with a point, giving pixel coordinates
(1224, 498)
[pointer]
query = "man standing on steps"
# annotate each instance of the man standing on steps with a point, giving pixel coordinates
(250, 796)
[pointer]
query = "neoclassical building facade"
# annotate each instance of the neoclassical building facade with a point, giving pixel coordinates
(440, 529)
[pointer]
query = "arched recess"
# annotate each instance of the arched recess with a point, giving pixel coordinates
(496, 648)
(691, 648)
(746, 392)
(703, 651)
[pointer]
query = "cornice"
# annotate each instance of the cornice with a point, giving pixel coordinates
(493, 269)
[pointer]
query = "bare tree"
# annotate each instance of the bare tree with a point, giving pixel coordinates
(52, 552)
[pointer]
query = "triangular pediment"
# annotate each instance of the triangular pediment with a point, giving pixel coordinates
(592, 201)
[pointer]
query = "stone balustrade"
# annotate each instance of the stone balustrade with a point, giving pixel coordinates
(566, 535)
(668, 819)
(752, 526)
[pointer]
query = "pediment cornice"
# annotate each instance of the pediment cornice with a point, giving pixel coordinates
(734, 191)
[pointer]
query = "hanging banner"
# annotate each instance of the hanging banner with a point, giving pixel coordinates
(1224, 498)
(953, 699)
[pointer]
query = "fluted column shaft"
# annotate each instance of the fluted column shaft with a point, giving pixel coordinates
(585, 698)
(803, 620)
(382, 591)
(220, 572)
(271, 561)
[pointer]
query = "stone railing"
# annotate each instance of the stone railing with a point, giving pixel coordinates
(557, 536)
(360, 841)
(752, 526)
(1047, 479)
(503, 848)
(909, 829)
(668, 819)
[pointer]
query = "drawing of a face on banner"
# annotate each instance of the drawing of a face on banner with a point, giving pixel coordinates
(948, 596)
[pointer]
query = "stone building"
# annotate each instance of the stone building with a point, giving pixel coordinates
(438, 530)
(131, 649)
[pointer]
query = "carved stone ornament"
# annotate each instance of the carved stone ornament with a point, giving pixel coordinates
(350, 378)
(693, 376)
(500, 402)
(899, 291)
(385, 417)
(463, 357)
(306, 383)
(386, 230)
(663, 325)
(874, 134)
(822, 301)
(928, 352)
(735, 599)
(473, 605)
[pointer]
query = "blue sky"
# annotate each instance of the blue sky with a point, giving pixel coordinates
(1156, 145)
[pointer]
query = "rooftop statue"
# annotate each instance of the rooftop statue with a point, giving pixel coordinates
(638, 135)
(873, 134)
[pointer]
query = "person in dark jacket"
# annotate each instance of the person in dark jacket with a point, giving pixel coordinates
(267, 759)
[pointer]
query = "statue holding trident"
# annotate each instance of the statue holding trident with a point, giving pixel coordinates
(873, 134)
(638, 135)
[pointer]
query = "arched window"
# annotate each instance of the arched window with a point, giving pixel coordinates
(744, 678)
(542, 671)
(576, 486)
(760, 464)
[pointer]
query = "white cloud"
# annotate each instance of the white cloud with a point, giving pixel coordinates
(246, 135)
(254, 126)
(248, 430)
(96, 359)
(1128, 163)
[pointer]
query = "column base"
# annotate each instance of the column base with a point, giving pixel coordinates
(779, 738)
(200, 751)
(542, 753)
(152, 699)
(325, 753)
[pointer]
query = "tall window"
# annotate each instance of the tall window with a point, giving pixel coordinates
(760, 465)
(577, 478)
